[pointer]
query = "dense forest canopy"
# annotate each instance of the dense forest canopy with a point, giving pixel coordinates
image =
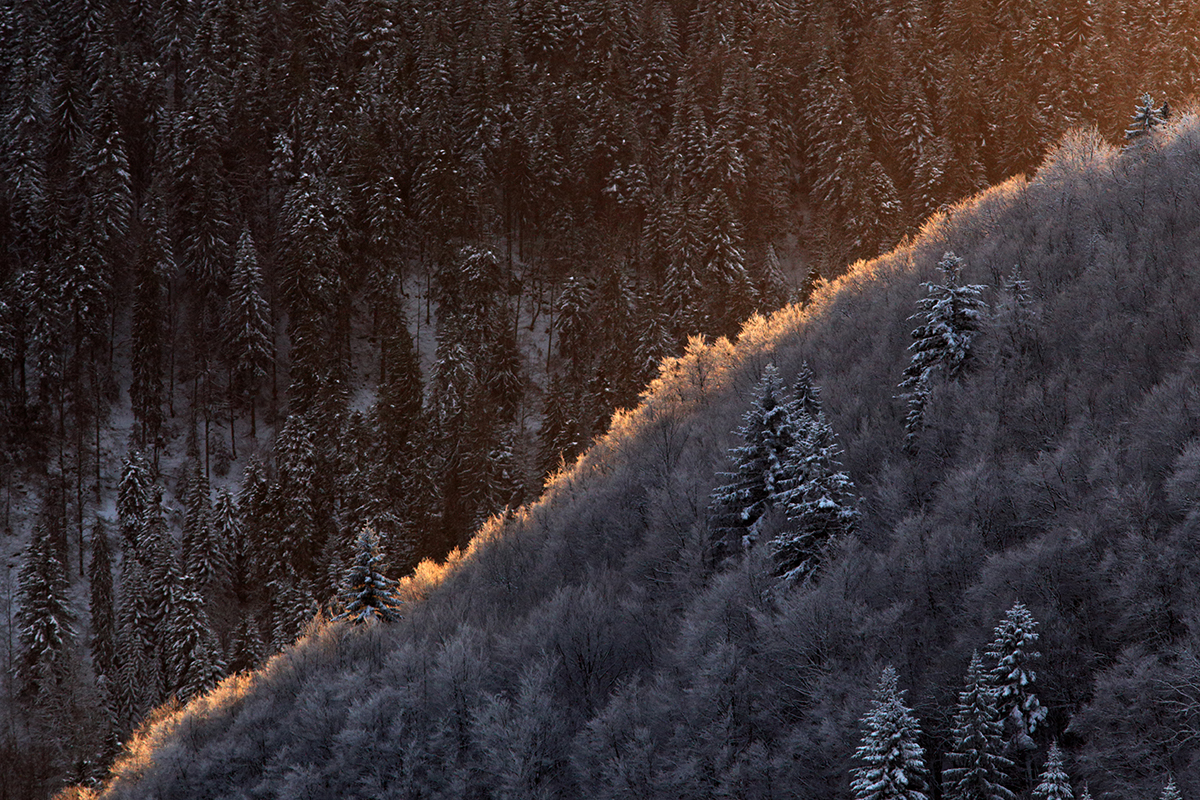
(274, 273)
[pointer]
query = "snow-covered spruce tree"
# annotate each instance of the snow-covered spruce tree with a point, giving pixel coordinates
(1054, 783)
(202, 556)
(1147, 118)
(193, 656)
(133, 497)
(893, 760)
(978, 767)
(760, 467)
(247, 325)
(1169, 792)
(102, 604)
(46, 624)
(817, 495)
(1012, 678)
(368, 596)
(949, 317)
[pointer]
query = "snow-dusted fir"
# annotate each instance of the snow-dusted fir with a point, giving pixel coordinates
(45, 620)
(1054, 783)
(1170, 791)
(367, 595)
(978, 768)
(761, 464)
(1146, 118)
(1013, 651)
(818, 497)
(893, 761)
(949, 317)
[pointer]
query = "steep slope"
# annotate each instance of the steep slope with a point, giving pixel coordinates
(587, 646)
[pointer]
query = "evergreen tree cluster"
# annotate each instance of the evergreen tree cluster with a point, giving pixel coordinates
(789, 465)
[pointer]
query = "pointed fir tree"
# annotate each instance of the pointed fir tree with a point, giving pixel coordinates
(893, 760)
(192, 654)
(1147, 118)
(368, 596)
(1012, 678)
(950, 317)
(760, 465)
(978, 768)
(203, 558)
(818, 497)
(45, 624)
(247, 325)
(246, 648)
(1169, 792)
(133, 497)
(102, 604)
(140, 685)
(229, 541)
(1054, 783)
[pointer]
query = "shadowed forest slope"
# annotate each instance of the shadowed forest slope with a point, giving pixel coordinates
(591, 645)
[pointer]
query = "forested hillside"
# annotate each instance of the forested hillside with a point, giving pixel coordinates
(274, 272)
(1005, 409)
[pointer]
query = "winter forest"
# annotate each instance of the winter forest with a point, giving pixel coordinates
(599, 398)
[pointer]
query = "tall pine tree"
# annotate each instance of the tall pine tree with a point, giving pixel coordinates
(893, 761)
(978, 767)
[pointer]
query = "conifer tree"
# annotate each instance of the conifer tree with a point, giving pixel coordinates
(248, 324)
(760, 465)
(1012, 678)
(102, 604)
(978, 766)
(368, 596)
(133, 497)
(228, 539)
(1169, 792)
(1054, 783)
(818, 497)
(893, 760)
(192, 655)
(46, 624)
(139, 685)
(246, 648)
(1147, 118)
(950, 317)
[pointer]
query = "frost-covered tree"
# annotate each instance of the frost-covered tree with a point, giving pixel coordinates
(45, 623)
(133, 497)
(367, 595)
(1147, 118)
(978, 766)
(1012, 678)
(193, 656)
(892, 758)
(949, 317)
(818, 497)
(247, 324)
(1169, 792)
(1054, 783)
(202, 556)
(102, 604)
(760, 464)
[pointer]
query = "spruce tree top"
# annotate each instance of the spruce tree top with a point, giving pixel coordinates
(368, 596)
(1054, 785)
(1013, 651)
(1147, 117)
(950, 317)
(893, 760)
